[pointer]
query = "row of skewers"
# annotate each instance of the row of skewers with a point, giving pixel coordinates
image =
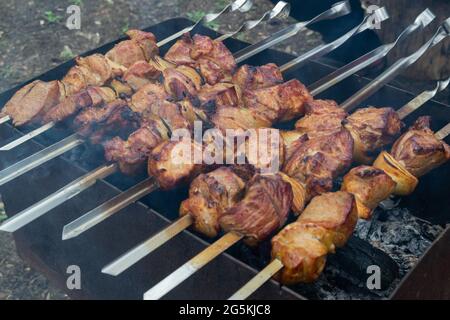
(237, 199)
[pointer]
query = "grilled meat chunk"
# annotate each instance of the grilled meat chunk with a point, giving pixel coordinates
(131, 154)
(281, 102)
(173, 163)
(370, 186)
(147, 96)
(179, 84)
(211, 57)
(140, 74)
(99, 123)
(250, 77)
(263, 210)
(210, 195)
(33, 100)
(317, 162)
(141, 47)
(372, 129)
(418, 150)
(327, 222)
(322, 117)
(90, 97)
(218, 95)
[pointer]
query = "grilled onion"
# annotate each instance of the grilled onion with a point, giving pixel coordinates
(299, 192)
(406, 182)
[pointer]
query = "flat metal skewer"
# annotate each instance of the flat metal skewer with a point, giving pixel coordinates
(45, 205)
(114, 205)
(276, 265)
(378, 15)
(192, 266)
(5, 119)
(257, 281)
(39, 158)
(28, 136)
(75, 234)
(400, 65)
(241, 5)
(422, 20)
(131, 257)
(337, 10)
(280, 10)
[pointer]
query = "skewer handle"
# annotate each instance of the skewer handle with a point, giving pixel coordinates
(192, 266)
(107, 209)
(442, 33)
(368, 59)
(280, 10)
(241, 5)
(262, 277)
(55, 199)
(145, 248)
(35, 160)
(337, 10)
(379, 14)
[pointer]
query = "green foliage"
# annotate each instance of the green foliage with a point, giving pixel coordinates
(51, 17)
(66, 53)
(125, 27)
(77, 2)
(198, 14)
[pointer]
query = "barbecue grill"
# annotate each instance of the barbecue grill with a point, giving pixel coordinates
(40, 244)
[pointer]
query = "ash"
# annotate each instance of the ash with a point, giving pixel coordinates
(401, 235)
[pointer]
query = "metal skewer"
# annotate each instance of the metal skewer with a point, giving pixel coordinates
(400, 65)
(422, 20)
(5, 119)
(276, 265)
(241, 5)
(280, 10)
(378, 15)
(173, 280)
(193, 265)
(337, 10)
(55, 199)
(80, 226)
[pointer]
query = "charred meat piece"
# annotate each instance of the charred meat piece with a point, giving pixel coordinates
(140, 74)
(250, 77)
(32, 100)
(181, 84)
(418, 150)
(141, 47)
(317, 162)
(218, 95)
(263, 210)
(372, 129)
(322, 117)
(173, 163)
(327, 222)
(131, 154)
(170, 114)
(281, 102)
(370, 186)
(146, 97)
(114, 118)
(90, 97)
(210, 195)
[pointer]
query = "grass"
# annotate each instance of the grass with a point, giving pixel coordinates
(51, 17)
(198, 14)
(77, 2)
(66, 53)
(125, 27)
